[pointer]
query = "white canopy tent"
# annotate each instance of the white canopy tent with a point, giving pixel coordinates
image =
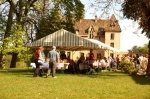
(106, 46)
(65, 40)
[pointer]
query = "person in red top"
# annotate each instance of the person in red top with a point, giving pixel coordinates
(91, 58)
(36, 57)
(71, 66)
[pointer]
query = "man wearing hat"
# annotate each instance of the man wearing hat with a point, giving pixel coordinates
(53, 56)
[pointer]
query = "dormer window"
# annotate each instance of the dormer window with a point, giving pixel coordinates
(112, 24)
(101, 31)
(86, 31)
(90, 32)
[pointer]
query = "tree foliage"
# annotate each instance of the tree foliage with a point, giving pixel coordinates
(49, 24)
(61, 14)
(143, 49)
(138, 10)
(21, 14)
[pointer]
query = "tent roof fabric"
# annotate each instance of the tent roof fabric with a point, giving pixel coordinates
(66, 40)
(105, 45)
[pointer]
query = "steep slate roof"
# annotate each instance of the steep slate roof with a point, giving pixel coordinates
(84, 24)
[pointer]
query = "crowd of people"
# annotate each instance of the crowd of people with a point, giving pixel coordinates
(49, 63)
(140, 61)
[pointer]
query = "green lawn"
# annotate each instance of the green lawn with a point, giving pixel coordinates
(20, 84)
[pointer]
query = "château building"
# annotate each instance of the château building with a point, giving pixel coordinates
(106, 31)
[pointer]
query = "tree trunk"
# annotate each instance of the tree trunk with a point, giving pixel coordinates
(13, 60)
(1, 65)
(148, 66)
(8, 27)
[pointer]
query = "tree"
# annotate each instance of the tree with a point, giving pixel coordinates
(20, 14)
(105, 8)
(63, 14)
(143, 49)
(14, 31)
(135, 49)
(2, 24)
(49, 24)
(139, 10)
(8, 25)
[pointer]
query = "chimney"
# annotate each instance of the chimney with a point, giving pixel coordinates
(96, 18)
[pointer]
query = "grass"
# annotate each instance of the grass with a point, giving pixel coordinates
(20, 84)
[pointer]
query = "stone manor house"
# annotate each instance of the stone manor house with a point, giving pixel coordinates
(106, 31)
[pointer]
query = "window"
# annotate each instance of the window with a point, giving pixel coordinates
(91, 31)
(112, 36)
(112, 24)
(112, 44)
(101, 31)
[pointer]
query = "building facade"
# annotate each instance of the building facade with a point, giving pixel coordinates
(106, 31)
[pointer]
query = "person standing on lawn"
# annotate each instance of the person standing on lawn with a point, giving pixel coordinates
(91, 60)
(39, 54)
(53, 56)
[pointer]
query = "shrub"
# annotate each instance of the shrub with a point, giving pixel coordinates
(127, 67)
(21, 64)
(8, 60)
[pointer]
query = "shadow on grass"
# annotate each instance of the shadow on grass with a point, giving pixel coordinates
(14, 71)
(24, 71)
(139, 79)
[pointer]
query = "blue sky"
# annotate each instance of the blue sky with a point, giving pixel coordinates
(128, 37)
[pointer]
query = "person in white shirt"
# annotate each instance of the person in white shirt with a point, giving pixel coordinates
(140, 60)
(103, 63)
